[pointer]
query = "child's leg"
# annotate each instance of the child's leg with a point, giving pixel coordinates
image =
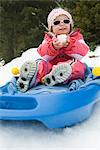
(63, 72)
(43, 69)
(78, 70)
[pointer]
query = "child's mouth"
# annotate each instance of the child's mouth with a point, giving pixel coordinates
(62, 29)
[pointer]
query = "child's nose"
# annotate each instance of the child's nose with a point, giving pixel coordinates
(61, 22)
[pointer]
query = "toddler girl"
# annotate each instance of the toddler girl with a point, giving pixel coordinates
(60, 54)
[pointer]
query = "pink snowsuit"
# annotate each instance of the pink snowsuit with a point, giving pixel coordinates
(72, 54)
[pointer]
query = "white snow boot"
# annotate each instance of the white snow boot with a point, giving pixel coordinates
(27, 73)
(59, 74)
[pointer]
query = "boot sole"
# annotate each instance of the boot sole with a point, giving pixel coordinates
(27, 72)
(59, 74)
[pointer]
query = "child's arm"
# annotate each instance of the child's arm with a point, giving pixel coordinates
(47, 50)
(77, 47)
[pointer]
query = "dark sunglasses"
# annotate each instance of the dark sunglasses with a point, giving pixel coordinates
(64, 21)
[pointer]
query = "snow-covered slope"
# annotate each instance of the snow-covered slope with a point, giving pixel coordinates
(5, 71)
(28, 135)
(93, 58)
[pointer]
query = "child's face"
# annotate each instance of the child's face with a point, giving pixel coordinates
(61, 25)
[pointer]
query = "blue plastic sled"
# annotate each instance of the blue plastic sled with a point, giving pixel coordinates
(53, 106)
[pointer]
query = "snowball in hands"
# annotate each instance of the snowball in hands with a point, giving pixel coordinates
(62, 38)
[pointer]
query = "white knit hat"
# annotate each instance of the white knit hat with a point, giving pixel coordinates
(55, 13)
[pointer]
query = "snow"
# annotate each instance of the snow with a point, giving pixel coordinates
(24, 135)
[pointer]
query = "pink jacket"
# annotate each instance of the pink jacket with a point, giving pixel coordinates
(76, 49)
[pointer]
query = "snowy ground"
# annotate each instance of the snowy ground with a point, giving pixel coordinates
(29, 135)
